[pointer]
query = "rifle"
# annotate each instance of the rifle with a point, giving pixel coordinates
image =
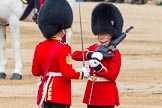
(112, 45)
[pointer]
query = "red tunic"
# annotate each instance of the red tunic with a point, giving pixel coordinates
(41, 2)
(59, 88)
(102, 93)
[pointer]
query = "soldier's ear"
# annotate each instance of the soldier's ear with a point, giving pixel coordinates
(110, 37)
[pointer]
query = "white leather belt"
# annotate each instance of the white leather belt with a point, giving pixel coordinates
(54, 74)
(98, 79)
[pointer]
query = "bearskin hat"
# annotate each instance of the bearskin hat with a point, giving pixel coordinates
(54, 16)
(106, 18)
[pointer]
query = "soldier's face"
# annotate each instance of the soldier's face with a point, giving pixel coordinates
(104, 38)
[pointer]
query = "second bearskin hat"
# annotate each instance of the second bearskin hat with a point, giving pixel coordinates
(54, 16)
(106, 18)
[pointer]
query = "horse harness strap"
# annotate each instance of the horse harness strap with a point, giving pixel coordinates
(25, 1)
(29, 8)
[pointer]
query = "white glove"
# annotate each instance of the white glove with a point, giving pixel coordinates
(86, 72)
(97, 55)
(93, 63)
(97, 65)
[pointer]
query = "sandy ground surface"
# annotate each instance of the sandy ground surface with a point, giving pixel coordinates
(139, 81)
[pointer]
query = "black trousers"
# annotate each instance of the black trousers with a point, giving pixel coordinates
(55, 105)
(90, 106)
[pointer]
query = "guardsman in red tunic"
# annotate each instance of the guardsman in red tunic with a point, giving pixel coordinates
(55, 88)
(41, 2)
(101, 90)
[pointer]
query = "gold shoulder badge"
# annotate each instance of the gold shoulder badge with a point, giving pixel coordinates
(68, 59)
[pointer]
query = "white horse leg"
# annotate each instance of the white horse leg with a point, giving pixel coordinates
(69, 30)
(68, 35)
(14, 28)
(71, 2)
(3, 58)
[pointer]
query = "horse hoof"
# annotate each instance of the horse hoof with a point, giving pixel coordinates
(16, 76)
(2, 75)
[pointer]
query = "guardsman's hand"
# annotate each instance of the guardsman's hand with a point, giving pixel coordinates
(86, 72)
(97, 65)
(95, 55)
